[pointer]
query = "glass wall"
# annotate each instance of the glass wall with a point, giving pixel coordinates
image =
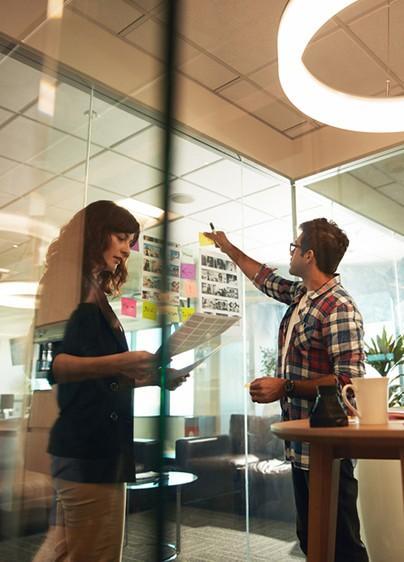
(71, 136)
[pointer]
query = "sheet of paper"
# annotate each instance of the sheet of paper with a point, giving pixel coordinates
(189, 368)
(198, 329)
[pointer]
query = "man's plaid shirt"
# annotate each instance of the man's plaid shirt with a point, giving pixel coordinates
(327, 339)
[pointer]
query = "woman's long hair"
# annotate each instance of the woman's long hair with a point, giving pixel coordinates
(78, 251)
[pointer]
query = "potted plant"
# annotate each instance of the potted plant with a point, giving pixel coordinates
(268, 361)
(384, 354)
(380, 500)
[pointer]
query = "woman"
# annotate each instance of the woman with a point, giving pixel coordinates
(91, 442)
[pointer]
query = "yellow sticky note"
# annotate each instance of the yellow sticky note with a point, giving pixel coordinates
(172, 314)
(149, 310)
(186, 312)
(204, 240)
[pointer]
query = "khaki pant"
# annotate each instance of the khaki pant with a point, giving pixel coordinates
(89, 525)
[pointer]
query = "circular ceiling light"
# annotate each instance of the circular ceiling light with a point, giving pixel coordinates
(299, 23)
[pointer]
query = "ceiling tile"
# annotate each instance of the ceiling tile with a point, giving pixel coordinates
(307, 199)
(114, 15)
(275, 201)
(227, 216)
(147, 5)
(207, 71)
(111, 124)
(5, 198)
(146, 147)
(393, 167)
(276, 230)
(394, 191)
(231, 179)
(373, 29)
(371, 175)
(6, 164)
(62, 155)
(327, 60)
(149, 35)
(21, 179)
(188, 156)
(23, 139)
(278, 114)
(19, 84)
(208, 25)
(64, 193)
(115, 124)
(182, 231)
(202, 198)
(301, 129)
(268, 78)
(361, 9)
(4, 115)
(119, 174)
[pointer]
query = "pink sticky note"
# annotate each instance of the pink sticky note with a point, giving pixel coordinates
(190, 288)
(128, 307)
(188, 271)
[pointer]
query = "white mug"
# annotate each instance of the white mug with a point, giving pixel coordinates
(371, 399)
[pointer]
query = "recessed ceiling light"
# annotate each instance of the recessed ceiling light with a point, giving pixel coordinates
(182, 198)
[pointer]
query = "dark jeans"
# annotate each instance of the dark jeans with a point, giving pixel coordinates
(348, 544)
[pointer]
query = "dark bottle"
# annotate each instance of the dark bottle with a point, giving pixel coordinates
(328, 410)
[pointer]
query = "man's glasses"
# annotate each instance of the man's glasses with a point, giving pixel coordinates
(292, 247)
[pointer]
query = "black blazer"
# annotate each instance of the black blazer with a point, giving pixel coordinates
(95, 421)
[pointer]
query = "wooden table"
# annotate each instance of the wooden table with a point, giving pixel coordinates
(327, 446)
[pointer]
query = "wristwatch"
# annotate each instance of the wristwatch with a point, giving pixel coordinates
(289, 388)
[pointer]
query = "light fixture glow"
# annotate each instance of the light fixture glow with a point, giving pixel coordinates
(299, 23)
(55, 9)
(18, 294)
(47, 95)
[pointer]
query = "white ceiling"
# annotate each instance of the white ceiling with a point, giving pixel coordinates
(42, 159)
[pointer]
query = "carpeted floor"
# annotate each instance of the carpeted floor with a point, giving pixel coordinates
(206, 536)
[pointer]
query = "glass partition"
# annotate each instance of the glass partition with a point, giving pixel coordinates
(82, 120)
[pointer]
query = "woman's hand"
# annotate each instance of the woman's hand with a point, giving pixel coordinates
(173, 379)
(139, 368)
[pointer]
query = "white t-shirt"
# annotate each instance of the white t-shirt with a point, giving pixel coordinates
(294, 319)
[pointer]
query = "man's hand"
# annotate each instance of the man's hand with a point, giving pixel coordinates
(267, 389)
(220, 239)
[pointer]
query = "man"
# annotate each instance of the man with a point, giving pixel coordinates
(320, 343)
